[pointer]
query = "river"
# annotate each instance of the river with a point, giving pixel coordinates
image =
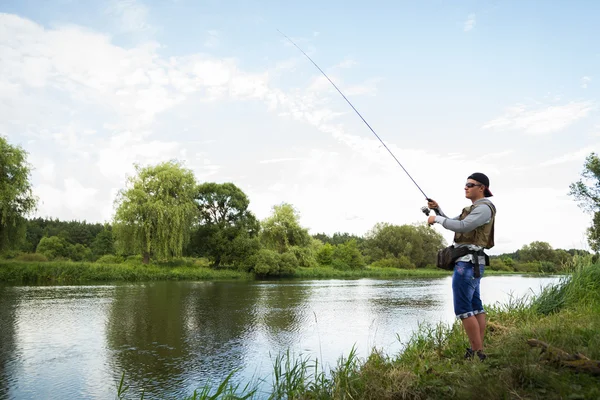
(170, 338)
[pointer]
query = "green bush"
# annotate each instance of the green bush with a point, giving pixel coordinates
(325, 254)
(201, 262)
(10, 254)
(265, 262)
(134, 260)
(527, 267)
(305, 256)
(497, 264)
(288, 263)
(348, 254)
(32, 257)
(109, 259)
(401, 262)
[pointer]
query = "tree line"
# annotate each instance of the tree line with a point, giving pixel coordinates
(163, 213)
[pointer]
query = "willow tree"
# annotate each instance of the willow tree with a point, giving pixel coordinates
(16, 196)
(156, 211)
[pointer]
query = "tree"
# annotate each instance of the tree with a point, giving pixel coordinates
(393, 241)
(587, 192)
(227, 231)
(16, 196)
(103, 243)
(537, 251)
(53, 247)
(282, 229)
(432, 242)
(156, 211)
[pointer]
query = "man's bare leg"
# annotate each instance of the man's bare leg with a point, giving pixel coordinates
(481, 320)
(471, 325)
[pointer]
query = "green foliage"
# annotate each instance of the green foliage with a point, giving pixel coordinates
(156, 212)
(305, 256)
(587, 192)
(419, 243)
(225, 205)
(580, 288)
(348, 255)
(537, 251)
(527, 267)
(110, 259)
(67, 272)
(16, 196)
(271, 263)
(226, 231)
(53, 247)
(325, 254)
(402, 262)
(103, 243)
(498, 264)
(32, 257)
(282, 229)
(593, 233)
(338, 238)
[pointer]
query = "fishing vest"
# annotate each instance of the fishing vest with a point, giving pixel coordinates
(483, 235)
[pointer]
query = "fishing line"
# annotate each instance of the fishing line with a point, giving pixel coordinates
(361, 117)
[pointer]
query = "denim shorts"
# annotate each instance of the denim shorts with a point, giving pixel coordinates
(465, 290)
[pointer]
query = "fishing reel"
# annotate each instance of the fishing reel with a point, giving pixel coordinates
(426, 210)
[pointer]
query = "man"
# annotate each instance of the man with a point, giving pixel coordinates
(474, 229)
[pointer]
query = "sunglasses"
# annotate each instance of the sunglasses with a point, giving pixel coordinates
(470, 184)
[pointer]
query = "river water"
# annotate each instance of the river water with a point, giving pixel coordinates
(170, 338)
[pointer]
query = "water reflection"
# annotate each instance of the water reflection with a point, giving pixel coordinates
(7, 339)
(170, 338)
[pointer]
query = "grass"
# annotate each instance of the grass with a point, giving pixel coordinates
(72, 272)
(431, 365)
(67, 272)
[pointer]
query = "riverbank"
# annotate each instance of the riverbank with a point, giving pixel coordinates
(566, 316)
(68, 272)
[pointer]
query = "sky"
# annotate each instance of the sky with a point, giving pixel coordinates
(507, 88)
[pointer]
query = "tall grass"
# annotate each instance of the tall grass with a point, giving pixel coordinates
(78, 272)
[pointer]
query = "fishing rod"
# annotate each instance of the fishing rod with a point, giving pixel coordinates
(424, 209)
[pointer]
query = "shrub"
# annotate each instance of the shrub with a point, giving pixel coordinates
(402, 262)
(527, 267)
(348, 254)
(32, 257)
(109, 259)
(288, 263)
(497, 264)
(325, 254)
(305, 256)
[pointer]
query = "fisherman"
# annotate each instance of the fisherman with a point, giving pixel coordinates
(474, 229)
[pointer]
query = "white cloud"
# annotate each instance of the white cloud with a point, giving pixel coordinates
(469, 23)
(540, 120)
(578, 155)
(279, 160)
(584, 82)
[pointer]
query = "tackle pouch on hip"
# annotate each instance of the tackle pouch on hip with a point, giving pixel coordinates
(448, 256)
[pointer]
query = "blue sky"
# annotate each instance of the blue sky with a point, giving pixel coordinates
(507, 88)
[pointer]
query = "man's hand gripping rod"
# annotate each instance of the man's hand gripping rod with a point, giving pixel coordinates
(424, 209)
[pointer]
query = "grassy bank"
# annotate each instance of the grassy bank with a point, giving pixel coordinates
(566, 315)
(65, 272)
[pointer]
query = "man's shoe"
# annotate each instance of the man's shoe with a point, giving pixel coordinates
(481, 355)
(469, 354)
